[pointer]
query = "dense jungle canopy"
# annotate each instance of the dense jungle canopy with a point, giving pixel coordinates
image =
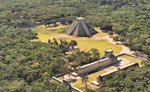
(30, 65)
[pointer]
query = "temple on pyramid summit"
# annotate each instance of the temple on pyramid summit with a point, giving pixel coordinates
(80, 28)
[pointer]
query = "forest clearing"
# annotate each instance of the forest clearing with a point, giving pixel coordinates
(98, 41)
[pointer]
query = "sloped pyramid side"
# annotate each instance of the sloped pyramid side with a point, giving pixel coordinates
(80, 28)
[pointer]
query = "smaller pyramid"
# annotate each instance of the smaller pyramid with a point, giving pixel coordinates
(80, 28)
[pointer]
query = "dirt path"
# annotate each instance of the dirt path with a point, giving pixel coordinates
(62, 36)
(126, 50)
(107, 38)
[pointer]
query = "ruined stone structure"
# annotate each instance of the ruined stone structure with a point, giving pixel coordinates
(107, 60)
(80, 28)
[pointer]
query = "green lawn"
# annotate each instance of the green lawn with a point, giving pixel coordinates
(101, 45)
(84, 43)
(132, 59)
(78, 84)
(47, 33)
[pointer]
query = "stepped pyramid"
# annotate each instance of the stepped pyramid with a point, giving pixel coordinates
(80, 28)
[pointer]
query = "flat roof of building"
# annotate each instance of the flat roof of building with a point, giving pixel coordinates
(98, 61)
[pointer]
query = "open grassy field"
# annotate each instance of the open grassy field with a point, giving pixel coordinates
(132, 59)
(47, 33)
(84, 43)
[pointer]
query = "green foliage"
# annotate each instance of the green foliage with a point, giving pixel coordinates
(133, 79)
(128, 18)
(82, 57)
(72, 44)
(26, 65)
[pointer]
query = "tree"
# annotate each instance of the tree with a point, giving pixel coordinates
(107, 27)
(95, 55)
(55, 41)
(72, 44)
(110, 33)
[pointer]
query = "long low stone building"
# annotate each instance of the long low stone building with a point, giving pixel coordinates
(107, 60)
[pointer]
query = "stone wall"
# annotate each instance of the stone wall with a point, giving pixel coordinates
(93, 66)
